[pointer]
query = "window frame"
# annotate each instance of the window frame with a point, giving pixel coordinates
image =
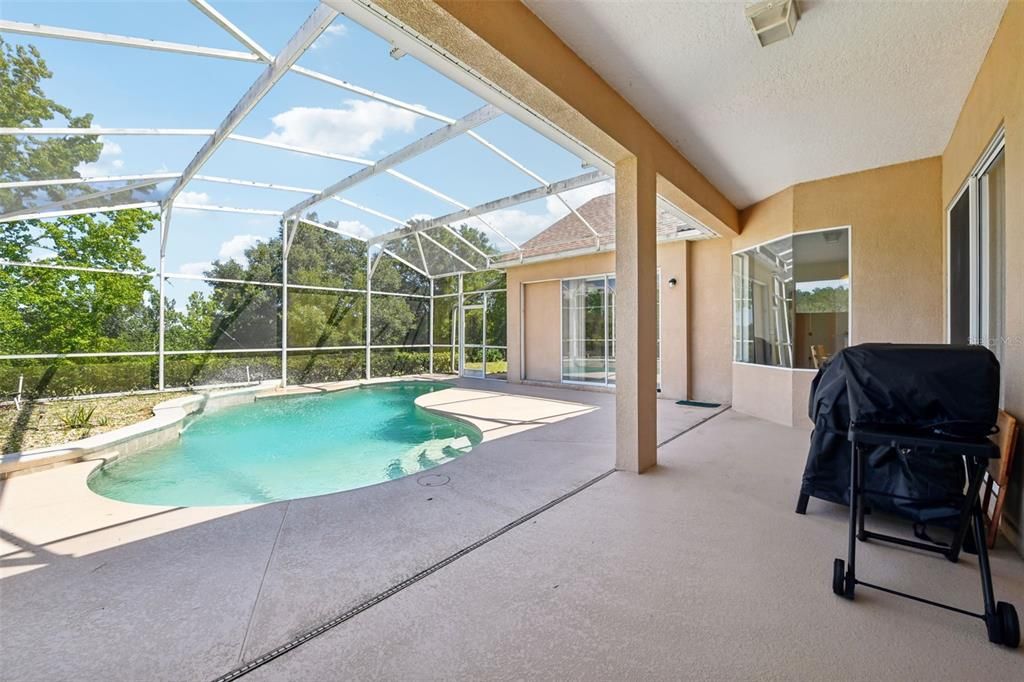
(608, 341)
(979, 255)
(850, 294)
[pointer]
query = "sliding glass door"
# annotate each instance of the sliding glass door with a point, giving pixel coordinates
(977, 253)
(588, 330)
(584, 330)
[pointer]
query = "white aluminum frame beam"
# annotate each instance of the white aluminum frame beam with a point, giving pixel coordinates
(454, 202)
(87, 181)
(335, 230)
(404, 262)
(376, 20)
(310, 30)
(226, 209)
(263, 55)
(81, 211)
(73, 202)
(583, 180)
(200, 132)
(410, 151)
(44, 31)
(64, 132)
(447, 250)
(237, 33)
(423, 257)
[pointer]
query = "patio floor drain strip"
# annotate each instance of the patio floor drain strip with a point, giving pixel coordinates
(249, 666)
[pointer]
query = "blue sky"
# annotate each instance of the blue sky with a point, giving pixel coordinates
(125, 87)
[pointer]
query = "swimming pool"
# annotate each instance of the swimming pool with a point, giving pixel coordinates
(287, 448)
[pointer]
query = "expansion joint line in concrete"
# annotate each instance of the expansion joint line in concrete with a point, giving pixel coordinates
(691, 428)
(265, 658)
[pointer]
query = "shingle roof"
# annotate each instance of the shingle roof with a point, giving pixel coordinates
(569, 233)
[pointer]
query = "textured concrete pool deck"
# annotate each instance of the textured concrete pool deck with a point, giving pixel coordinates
(697, 569)
(92, 588)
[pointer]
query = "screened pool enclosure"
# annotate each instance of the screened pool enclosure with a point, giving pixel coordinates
(177, 214)
(118, 277)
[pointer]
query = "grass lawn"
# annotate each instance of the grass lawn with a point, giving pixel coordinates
(493, 367)
(43, 424)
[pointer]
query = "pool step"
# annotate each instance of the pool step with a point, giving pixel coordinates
(427, 455)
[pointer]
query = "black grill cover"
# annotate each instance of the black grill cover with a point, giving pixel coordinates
(953, 389)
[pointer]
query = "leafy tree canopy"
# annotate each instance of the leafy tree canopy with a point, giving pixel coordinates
(23, 103)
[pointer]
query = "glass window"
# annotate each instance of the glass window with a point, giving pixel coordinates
(583, 330)
(977, 252)
(821, 273)
(588, 330)
(791, 300)
(960, 270)
(763, 304)
(992, 195)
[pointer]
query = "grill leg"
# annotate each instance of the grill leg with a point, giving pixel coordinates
(976, 471)
(801, 504)
(983, 567)
(855, 514)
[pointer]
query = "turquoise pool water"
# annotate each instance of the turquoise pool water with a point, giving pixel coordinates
(286, 448)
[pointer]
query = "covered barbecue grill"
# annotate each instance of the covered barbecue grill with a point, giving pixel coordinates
(904, 429)
(935, 388)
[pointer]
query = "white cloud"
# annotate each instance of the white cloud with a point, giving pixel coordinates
(351, 129)
(197, 268)
(355, 228)
(108, 162)
(234, 248)
(330, 33)
(188, 197)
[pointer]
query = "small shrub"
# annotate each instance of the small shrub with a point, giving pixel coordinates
(78, 418)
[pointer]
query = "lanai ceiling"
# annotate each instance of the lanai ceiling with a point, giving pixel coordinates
(859, 85)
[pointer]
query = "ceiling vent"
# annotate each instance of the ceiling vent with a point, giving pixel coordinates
(773, 20)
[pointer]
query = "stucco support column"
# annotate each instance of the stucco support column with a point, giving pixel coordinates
(636, 322)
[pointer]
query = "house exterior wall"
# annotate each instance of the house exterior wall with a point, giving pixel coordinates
(541, 332)
(897, 289)
(997, 98)
(710, 324)
(534, 315)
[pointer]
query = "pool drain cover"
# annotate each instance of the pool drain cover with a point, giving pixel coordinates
(433, 480)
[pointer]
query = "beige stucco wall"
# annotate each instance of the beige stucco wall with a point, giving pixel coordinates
(710, 324)
(766, 392)
(541, 332)
(895, 219)
(997, 98)
(895, 215)
(541, 314)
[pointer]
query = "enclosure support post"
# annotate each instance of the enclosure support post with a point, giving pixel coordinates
(369, 274)
(165, 219)
(284, 299)
(430, 350)
(459, 326)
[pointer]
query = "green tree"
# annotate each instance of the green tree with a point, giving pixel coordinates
(45, 310)
(23, 103)
(52, 310)
(823, 300)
